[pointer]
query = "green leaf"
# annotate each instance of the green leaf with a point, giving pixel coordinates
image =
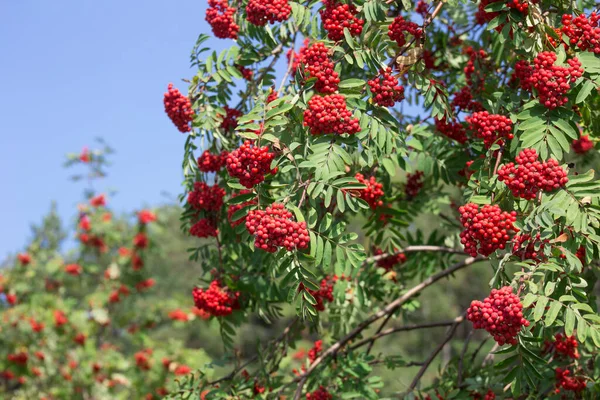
(540, 307)
(351, 83)
(569, 322)
(341, 203)
(552, 313)
(585, 91)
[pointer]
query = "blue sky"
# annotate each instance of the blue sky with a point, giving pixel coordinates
(73, 70)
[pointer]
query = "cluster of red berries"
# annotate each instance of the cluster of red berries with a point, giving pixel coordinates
(390, 261)
(582, 145)
(583, 31)
(236, 207)
(204, 197)
(179, 109)
(564, 381)
(217, 300)
(524, 247)
(454, 130)
(73, 269)
(273, 95)
(250, 164)
(60, 318)
(501, 314)
(520, 5)
(140, 241)
(414, 183)
(325, 293)
(247, 73)
(274, 227)
(229, 122)
(146, 216)
(142, 359)
(315, 351)
(179, 315)
(400, 27)
(463, 100)
(422, 9)
(385, 88)
(523, 72)
(337, 16)
(18, 358)
(319, 394)
(552, 82)
(260, 12)
(372, 193)
(221, 19)
(563, 346)
(475, 56)
(531, 176)
(317, 64)
(209, 162)
(492, 128)
(24, 258)
(486, 230)
(482, 16)
(98, 201)
(204, 228)
(296, 58)
(329, 115)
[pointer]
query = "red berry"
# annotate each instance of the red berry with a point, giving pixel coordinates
(337, 16)
(179, 109)
(552, 82)
(204, 228)
(400, 27)
(329, 115)
(221, 19)
(385, 88)
(250, 164)
(372, 193)
(236, 207)
(492, 128)
(531, 176)
(204, 197)
(259, 12)
(414, 183)
(453, 130)
(318, 65)
(209, 162)
(501, 314)
(216, 300)
(319, 394)
(564, 381)
(230, 119)
(583, 32)
(390, 261)
(582, 145)
(486, 230)
(274, 227)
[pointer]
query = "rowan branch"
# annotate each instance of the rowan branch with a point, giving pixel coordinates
(406, 328)
(434, 354)
(414, 249)
(390, 308)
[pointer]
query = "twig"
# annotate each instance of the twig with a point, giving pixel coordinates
(498, 158)
(289, 69)
(390, 308)
(374, 337)
(490, 356)
(462, 357)
(414, 249)
(474, 355)
(433, 354)
(404, 329)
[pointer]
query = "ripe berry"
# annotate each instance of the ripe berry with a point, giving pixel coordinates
(372, 193)
(486, 230)
(325, 293)
(204, 228)
(385, 88)
(247, 73)
(260, 12)
(390, 261)
(315, 351)
(24, 258)
(492, 128)
(273, 95)
(501, 314)
(564, 381)
(583, 32)
(400, 27)
(296, 58)
(140, 241)
(319, 394)
(236, 207)
(179, 109)
(217, 300)
(552, 82)
(563, 346)
(250, 164)
(422, 9)
(318, 65)
(531, 176)
(274, 227)
(475, 78)
(329, 115)
(204, 197)
(414, 183)
(73, 269)
(146, 216)
(337, 16)
(523, 73)
(98, 201)
(209, 162)
(582, 145)
(221, 19)
(453, 130)
(230, 119)
(525, 248)
(179, 315)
